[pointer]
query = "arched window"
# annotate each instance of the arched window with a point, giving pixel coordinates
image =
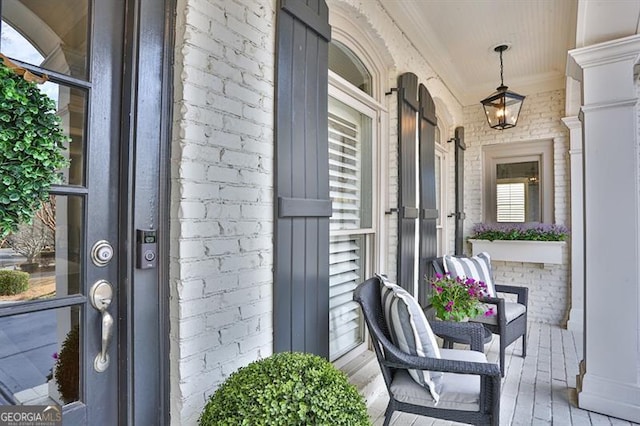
(353, 143)
(347, 65)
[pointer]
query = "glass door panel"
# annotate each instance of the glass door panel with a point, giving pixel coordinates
(49, 315)
(48, 251)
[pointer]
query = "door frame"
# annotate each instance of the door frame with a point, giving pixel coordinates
(147, 101)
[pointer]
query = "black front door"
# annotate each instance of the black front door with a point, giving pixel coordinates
(67, 339)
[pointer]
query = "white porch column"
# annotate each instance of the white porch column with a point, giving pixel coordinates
(609, 381)
(576, 314)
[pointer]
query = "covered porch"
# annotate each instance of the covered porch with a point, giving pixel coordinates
(537, 390)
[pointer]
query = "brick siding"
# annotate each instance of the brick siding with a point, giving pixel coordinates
(222, 196)
(549, 288)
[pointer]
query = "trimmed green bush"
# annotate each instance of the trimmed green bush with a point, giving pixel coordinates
(13, 282)
(286, 389)
(67, 366)
(31, 149)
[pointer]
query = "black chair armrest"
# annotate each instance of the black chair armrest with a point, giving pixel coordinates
(522, 292)
(412, 362)
(473, 332)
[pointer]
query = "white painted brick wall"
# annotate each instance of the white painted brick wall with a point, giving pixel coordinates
(549, 285)
(222, 196)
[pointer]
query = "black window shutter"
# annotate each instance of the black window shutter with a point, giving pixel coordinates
(303, 207)
(407, 200)
(460, 147)
(428, 208)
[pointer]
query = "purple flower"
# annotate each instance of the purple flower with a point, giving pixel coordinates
(438, 276)
(449, 306)
(489, 313)
(439, 290)
(55, 355)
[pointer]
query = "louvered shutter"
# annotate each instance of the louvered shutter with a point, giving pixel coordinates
(407, 179)
(346, 258)
(303, 208)
(344, 172)
(511, 202)
(428, 206)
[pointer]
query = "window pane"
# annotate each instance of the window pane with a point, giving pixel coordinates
(346, 270)
(40, 357)
(518, 192)
(72, 106)
(350, 167)
(48, 34)
(48, 250)
(347, 65)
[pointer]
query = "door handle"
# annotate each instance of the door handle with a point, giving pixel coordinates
(100, 296)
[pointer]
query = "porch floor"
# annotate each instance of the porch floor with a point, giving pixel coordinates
(537, 390)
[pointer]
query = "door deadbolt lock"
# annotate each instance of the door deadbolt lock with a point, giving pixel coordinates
(101, 253)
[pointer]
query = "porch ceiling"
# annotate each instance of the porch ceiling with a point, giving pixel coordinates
(457, 38)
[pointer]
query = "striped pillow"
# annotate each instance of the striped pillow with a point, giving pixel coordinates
(477, 267)
(410, 331)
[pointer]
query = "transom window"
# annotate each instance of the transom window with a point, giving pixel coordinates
(347, 65)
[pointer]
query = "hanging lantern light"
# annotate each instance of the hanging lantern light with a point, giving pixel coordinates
(502, 107)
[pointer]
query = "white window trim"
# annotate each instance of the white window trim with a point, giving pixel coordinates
(492, 155)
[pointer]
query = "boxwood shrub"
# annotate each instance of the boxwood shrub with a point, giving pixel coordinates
(67, 370)
(13, 282)
(286, 389)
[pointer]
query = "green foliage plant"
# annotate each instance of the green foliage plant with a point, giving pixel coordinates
(13, 282)
(31, 149)
(67, 371)
(519, 232)
(286, 389)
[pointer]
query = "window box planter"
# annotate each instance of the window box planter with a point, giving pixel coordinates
(520, 251)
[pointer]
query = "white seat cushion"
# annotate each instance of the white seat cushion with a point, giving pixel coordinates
(512, 311)
(410, 331)
(477, 267)
(457, 392)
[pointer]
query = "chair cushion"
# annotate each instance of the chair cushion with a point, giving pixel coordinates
(477, 267)
(512, 310)
(410, 331)
(458, 391)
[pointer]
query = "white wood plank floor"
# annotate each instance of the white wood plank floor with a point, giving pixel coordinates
(537, 390)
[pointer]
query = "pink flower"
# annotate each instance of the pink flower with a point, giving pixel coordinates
(439, 290)
(55, 355)
(489, 312)
(438, 276)
(449, 306)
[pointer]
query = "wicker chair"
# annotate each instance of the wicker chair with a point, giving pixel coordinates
(510, 327)
(465, 397)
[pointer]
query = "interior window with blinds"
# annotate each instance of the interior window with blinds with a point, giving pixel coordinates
(350, 186)
(518, 192)
(511, 201)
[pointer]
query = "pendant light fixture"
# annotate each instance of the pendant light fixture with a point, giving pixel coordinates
(502, 108)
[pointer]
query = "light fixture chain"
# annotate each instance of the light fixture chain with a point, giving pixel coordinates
(501, 70)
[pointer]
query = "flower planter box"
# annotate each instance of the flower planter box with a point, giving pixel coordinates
(521, 251)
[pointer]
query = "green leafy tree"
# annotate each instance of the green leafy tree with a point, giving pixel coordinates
(31, 149)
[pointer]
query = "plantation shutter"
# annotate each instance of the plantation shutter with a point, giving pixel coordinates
(345, 257)
(303, 208)
(428, 206)
(511, 201)
(460, 147)
(407, 179)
